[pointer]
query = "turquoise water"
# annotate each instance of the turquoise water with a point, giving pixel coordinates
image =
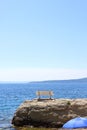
(12, 95)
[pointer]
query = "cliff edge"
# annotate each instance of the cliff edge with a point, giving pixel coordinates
(49, 113)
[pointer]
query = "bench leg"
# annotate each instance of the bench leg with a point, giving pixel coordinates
(50, 96)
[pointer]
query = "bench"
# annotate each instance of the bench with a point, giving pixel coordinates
(44, 93)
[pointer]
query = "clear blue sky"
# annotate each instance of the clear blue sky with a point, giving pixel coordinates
(42, 34)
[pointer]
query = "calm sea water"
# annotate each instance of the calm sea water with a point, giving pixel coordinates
(12, 95)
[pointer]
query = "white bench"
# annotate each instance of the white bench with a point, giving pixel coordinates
(44, 93)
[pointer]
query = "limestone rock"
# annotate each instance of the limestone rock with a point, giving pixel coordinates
(49, 113)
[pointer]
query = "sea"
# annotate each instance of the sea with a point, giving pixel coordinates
(13, 94)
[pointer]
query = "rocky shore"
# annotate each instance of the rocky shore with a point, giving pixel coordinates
(49, 112)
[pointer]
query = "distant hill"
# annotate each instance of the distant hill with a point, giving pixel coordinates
(62, 81)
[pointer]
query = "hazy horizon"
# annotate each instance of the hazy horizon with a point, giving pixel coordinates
(21, 82)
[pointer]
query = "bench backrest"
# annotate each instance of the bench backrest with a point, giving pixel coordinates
(44, 93)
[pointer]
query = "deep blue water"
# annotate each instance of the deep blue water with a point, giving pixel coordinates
(12, 95)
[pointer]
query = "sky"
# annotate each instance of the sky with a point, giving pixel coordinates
(43, 40)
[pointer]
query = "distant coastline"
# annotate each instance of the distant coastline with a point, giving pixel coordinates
(62, 81)
(80, 80)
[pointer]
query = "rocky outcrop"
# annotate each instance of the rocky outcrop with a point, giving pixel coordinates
(49, 113)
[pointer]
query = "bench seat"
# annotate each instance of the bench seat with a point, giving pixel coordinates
(44, 93)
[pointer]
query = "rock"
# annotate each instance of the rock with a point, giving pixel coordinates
(49, 113)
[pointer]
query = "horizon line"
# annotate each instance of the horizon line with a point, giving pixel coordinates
(9, 82)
